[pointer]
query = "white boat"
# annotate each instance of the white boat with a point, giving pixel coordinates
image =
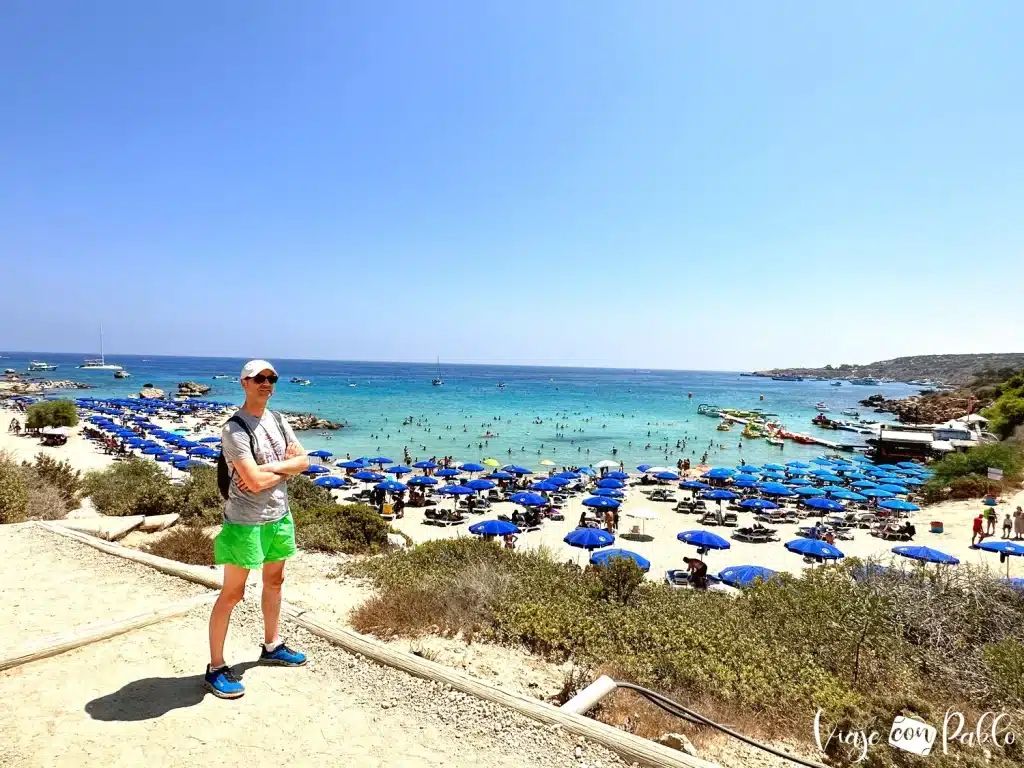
(39, 365)
(850, 412)
(221, 376)
(100, 363)
(122, 374)
(821, 407)
(437, 381)
(301, 382)
(775, 441)
(9, 371)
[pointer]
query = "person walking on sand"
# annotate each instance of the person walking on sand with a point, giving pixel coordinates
(990, 521)
(977, 532)
(1018, 523)
(1007, 526)
(261, 452)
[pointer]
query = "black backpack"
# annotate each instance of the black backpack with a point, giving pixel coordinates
(223, 470)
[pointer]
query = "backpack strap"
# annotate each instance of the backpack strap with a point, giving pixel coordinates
(280, 425)
(252, 435)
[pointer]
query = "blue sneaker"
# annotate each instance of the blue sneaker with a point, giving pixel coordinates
(282, 656)
(222, 683)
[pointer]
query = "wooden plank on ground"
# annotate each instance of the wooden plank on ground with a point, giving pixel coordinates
(93, 633)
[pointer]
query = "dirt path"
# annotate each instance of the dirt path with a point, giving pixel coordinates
(52, 584)
(137, 698)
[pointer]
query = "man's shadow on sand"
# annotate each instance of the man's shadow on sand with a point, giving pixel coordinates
(154, 696)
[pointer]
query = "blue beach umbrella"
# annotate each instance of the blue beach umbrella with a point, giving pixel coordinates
(587, 471)
(809, 491)
(567, 475)
(187, 444)
(703, 539)
(455, 490)
(775, 467)
(398, 469)
(742, 478)
(829, 478)
(719, 495)
(448, 472)
(775, 489)
(748, 468)
(366, 476)
(561, 482)
(746, 483)
(898, 505)
(644, 467)
(1003, 547)
(153, 450)
(616, 475)
(848, 496)
(925, 555)
(856, 476)
(601, 502)
(909, 465)
(825, 505)
(719, 473)
(797, 472)
(494, 528)
(876, 493)
(773, 474)
(189, 465)
(745, 575)
(176, 458)
(899, 490)
(864, 484)
(316, 469)
(137, 442)
(545, 486)
(588, 538)
(480, 484)
(797, 465)
(669, 476)
(425, 465)
(529, 500)
(694, 485)
(912, 482)
(758, 504)
(831, 489)
(207, 453)
(822, 461)
(610, 483)
(605, 555)
(611, 493)
(814, 548)
(890, 467)
(165, 457)
(381, 460)
(472, 467)
(392, 486)
(517, 470)
(330, 482)
(213, 439)
(422, 480)
(501, 475)
(320, 454)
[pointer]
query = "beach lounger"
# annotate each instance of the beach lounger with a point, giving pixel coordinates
(447, 522)
(755, 535)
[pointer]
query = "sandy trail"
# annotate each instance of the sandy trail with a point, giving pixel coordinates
(52, 584)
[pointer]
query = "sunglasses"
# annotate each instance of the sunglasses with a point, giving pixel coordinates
(259, 378)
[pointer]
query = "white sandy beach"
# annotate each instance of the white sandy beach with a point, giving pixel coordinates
(660, 545)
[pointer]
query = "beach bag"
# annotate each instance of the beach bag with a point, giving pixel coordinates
(223, 470)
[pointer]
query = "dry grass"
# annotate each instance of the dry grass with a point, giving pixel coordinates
(186, 544)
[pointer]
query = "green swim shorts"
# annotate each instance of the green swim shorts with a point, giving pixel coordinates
(250, 546)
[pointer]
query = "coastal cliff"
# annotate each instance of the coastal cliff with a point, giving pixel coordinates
(954, 370)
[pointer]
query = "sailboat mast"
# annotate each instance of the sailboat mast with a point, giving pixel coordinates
(103, 360)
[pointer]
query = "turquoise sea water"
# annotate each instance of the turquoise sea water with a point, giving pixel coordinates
(584, 413)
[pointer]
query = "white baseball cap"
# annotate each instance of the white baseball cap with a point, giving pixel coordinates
(253, 367)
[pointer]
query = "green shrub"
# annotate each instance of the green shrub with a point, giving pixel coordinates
(1007, 412)
(303, 494)
(351, 529)
(51, 413)
(971, 468)
(199, 496)
(131, 487)
(186, 544)
(619, 579)
(13, 492)
(61, 475)
(1004, 665)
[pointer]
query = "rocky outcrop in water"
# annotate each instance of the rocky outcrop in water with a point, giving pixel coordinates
(192, 389)
(927, 409)
(18, 386)
(152, 393)
(306, 421)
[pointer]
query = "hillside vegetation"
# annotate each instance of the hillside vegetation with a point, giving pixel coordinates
(956, 370)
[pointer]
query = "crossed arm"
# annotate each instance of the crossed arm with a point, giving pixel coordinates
(253, 477)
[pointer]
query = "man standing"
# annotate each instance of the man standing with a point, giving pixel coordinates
(261, 452)
(976, 530)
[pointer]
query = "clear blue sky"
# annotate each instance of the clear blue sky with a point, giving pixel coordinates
(672, 183)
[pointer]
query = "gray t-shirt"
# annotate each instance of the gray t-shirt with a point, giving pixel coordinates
(265, 506)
